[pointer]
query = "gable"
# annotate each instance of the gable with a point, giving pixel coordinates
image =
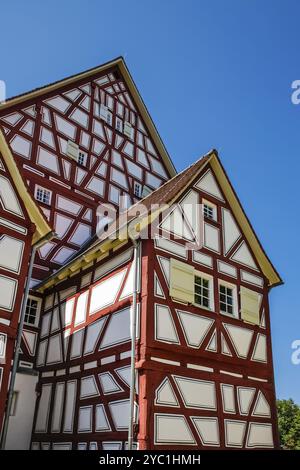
(18, 206)
(99, 116)
(222, 236)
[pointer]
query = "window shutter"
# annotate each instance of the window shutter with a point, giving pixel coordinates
(103, 112)
(182, 282)
(72, 150)
(249, 305)
(128, 129)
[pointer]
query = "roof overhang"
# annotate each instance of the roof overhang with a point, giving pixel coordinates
(264, 262)
(42, 228)
(121, 65)
(100, 250)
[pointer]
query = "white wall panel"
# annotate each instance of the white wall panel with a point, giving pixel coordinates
(43, 409)
(172, 429)
(70, 406)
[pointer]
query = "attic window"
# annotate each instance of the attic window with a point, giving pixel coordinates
(105, 114)
(137, 189)
(82, 158)
(43, 195)
(119, 125)
(209, 210)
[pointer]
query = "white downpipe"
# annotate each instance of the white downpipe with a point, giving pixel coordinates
(133, 320)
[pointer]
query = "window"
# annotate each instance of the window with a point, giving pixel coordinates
(202, 292)
(82, 158)
(3, 339)
(146, 191)
(105, 114)
(228, 302)
(209, 210)
(109, 118)
(72, 150)
(119, 125)
(32, 311)
(14, 404)
(137, 189)
(226, 299)
(43, 195)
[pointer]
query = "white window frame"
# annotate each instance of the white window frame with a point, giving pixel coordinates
(212, 206)
(83, 154)
(135, 185)
(3, 352)
(119, 123)
(211, 297)
(38, 311)
(229, 285)
(36, 189)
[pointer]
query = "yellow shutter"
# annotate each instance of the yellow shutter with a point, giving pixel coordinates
(249, 305)
(72, 150)
(182, 281)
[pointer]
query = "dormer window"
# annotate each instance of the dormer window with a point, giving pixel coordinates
(43, 195)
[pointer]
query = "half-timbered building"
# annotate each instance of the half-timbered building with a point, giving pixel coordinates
(180, 254)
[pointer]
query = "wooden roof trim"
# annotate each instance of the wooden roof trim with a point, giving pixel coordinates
(42, 228)
(120, 63)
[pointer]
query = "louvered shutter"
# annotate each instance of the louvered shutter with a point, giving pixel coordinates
(72, 150)
(182, 281)
(249, 305)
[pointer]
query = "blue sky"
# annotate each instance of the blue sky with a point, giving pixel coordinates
(214, 74)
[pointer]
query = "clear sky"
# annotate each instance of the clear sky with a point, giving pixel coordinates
(214, 74)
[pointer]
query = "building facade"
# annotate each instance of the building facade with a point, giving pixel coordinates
(203, 356)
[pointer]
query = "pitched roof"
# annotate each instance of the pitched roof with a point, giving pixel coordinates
(168, 193)
(42, 228)
(120, 64)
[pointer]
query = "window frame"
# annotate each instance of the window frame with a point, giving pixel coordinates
(211, 297)
(36, 189)
(137, 184)
(3, 354)
(235, 308)
(38, 311)
(83, 154)
(212, 206)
